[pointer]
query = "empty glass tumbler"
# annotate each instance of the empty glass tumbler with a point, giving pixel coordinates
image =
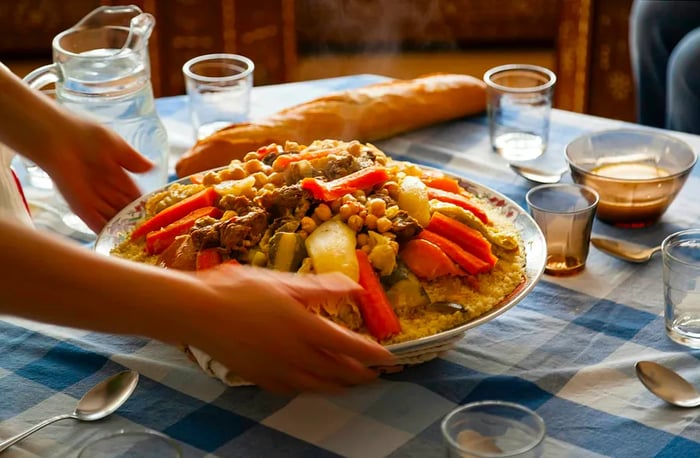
(519, 106)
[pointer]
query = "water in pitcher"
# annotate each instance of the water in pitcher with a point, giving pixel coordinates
(125, 104)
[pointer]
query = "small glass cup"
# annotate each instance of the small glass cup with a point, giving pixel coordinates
(565, 213)
(493, 429)
(681, 274)
(218, 87)
(519, 106)
(132, 444)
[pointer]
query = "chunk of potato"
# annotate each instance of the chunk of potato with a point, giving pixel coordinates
(331, 247)
(413, 198)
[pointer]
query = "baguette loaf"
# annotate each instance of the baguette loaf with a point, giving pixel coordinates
(365, 114)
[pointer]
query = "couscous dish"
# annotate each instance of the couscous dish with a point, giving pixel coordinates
(410, 236)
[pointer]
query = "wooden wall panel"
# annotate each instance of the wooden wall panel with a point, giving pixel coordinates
(262, 30)
(593, 62)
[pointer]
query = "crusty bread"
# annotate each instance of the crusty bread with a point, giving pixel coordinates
(365, 114)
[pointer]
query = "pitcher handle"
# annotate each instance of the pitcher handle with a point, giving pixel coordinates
(42, 76)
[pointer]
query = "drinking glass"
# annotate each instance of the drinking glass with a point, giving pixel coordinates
(132, 444)
(565, 214)
(493, 429)
(519, 106)
(681, 274)
(218, 87)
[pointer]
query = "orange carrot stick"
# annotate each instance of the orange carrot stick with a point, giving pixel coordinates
(466, 260)
(376, 310)
(204, 198)
(466, 237)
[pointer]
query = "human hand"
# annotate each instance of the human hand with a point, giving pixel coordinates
(89, 164)
(254, 322)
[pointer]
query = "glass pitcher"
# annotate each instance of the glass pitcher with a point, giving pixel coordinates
(101, 70)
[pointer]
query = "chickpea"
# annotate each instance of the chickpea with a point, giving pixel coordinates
(323, 211)
(260, 179)
(335, 205)
(348, 209)
(234, 172)
(363, 213)
(360, 196)
(376, 207)
(392, 188)
(308, 224)
(356, 223)
(211, 179)
(348, 198)
(269, 186)
(253, 166)
(291, 146)
(384, 224)
(371, 221)
(355, 148)
(276, 178)
(250, 156)
(362, 238)
(277, 167)
(251, 192)
(303, 234)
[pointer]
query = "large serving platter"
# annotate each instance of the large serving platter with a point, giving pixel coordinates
(417, 350)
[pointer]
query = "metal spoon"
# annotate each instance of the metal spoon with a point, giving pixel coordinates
(667, 384)
(538, 175)
(102, 400)
(627, 251)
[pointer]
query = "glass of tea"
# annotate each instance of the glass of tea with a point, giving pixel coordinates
(564, 212)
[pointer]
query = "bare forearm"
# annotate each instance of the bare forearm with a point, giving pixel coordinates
(52, 280)
(28, 122)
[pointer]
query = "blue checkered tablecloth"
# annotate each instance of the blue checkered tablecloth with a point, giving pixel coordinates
(567, 350)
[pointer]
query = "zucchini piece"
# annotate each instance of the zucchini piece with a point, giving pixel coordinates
(287, 251)
(403, 289)
(255, 257)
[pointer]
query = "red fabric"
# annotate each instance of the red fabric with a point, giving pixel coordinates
(21, 191)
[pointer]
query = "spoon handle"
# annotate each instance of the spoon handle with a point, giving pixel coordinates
(4, 445)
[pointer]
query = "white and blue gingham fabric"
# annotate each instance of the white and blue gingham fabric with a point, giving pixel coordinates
(567, 350)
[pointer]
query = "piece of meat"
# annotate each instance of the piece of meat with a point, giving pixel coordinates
(404, 226)
(239, 204)
(206, 236)
(180, 255)
(340, 166)
(242, 232)
(286, 201)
